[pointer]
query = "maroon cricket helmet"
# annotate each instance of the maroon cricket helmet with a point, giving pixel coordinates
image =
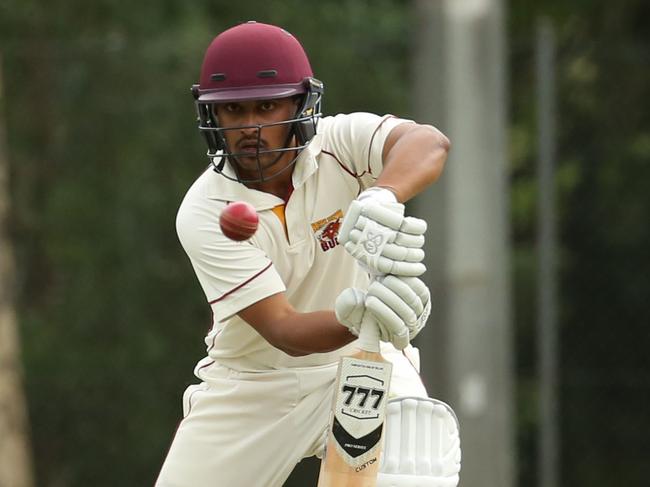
(253, 61)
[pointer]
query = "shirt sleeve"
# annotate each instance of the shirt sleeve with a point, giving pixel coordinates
(233, 275)
(357, 140)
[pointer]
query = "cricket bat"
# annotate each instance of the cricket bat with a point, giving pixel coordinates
(357, 420)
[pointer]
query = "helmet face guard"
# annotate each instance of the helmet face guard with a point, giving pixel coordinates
(302, 127)
(255, 61)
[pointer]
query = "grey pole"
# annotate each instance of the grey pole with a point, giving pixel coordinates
(548, 444)
(467, 350)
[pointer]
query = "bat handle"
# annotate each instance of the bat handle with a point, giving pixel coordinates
(369, 334)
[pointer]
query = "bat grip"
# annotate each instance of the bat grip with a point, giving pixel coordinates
(369, 334)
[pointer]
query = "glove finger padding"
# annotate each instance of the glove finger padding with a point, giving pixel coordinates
(391, 326)
(349, 309)
(413, 226)
(404, 254)
(424, 294)
(421, 321)
(418, 287)
(408, 298)
(410, 290)
(409, 231)
(387, 266)
(408, 240)
(387, 215)
(394, 301)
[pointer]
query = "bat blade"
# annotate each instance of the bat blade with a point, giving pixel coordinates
(357, 421)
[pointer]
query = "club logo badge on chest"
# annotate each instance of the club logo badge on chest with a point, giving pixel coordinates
(326, 230)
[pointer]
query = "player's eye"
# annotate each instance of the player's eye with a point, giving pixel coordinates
(231, 107)
(267, 106)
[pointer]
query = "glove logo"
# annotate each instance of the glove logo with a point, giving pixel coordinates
(326, 231)
(373, 243)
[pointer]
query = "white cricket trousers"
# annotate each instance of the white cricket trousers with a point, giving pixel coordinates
(250, 429)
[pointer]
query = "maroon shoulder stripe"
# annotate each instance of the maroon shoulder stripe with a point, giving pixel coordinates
(343, 166)
(372, 139)
(223, 296)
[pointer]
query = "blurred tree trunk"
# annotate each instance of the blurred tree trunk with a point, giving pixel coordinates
(15, 458)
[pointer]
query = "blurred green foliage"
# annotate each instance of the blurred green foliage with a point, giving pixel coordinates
(603, 184)
(103, 145)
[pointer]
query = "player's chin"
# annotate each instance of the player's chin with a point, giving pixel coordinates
(249, 163)
(257, 162)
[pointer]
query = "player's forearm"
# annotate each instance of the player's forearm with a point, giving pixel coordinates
(316, 332)
(414, 161)
(293, 332)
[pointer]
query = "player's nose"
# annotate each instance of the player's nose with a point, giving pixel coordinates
(249, 121)
(249, 130)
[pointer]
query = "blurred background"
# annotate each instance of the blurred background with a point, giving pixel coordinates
(538, 255)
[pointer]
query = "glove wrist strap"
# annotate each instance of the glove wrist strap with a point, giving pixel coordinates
(379, 194)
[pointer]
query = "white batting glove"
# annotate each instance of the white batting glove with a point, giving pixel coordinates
(376, 233)
(399, 302)
(349, 309)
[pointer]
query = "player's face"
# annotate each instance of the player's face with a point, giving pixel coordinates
(244, 117)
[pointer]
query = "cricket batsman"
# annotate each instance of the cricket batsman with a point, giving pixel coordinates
(289, 302)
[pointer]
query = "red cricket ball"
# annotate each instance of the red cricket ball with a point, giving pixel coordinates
(238, 221)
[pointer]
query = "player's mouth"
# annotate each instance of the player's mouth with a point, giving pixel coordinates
(249, 147)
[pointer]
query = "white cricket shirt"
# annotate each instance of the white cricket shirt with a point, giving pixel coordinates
(302, 259)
